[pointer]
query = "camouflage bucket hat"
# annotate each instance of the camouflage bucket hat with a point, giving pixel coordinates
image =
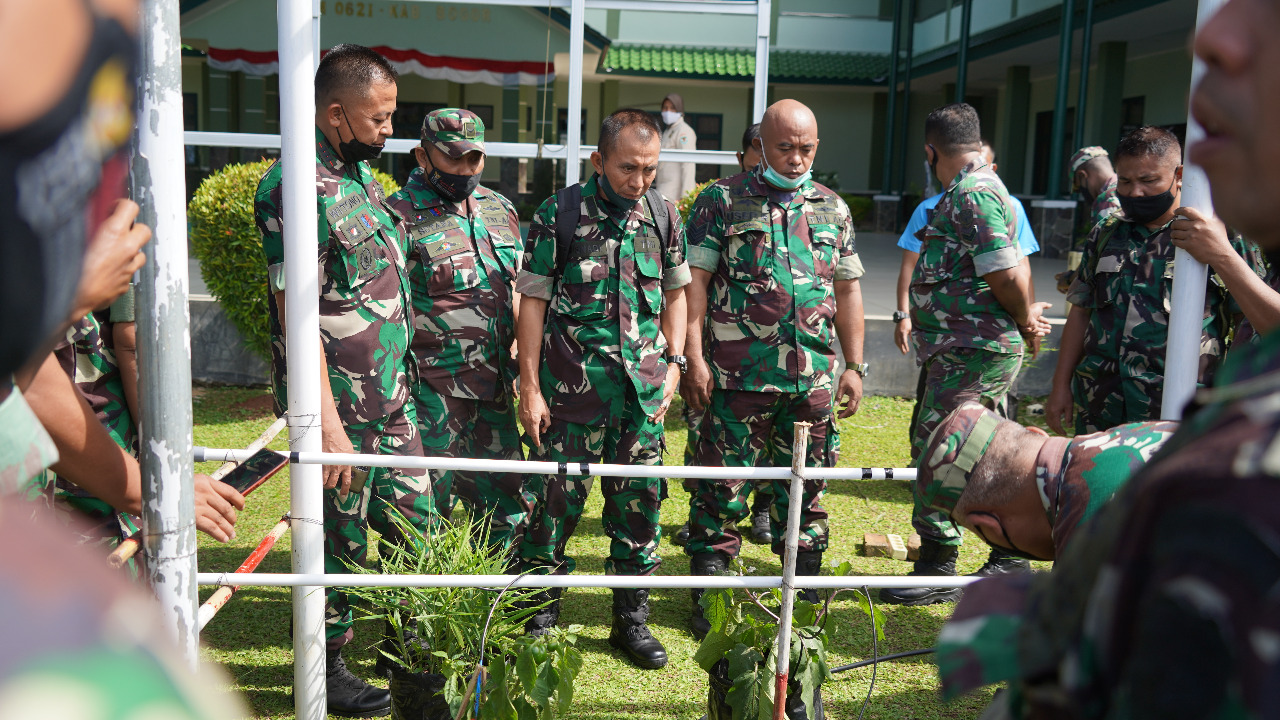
(454, 131)
(1082, 156)
(953, 450)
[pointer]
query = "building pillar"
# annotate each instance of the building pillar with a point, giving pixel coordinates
(1108, 95)
(1086, 47)
(962, 52)
(885, 149)
(899, 155)
(1014, 125)
(1056, 149)
(509, 179)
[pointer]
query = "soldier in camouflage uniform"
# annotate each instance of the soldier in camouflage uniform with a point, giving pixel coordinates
(601, 329)
(775, 277)
(464, 249)
(971, 308)
(1019, 489)
(365, 330)
(1094, 179)
(1111, 361)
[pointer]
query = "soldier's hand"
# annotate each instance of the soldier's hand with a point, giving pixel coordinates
(535, 416)
(1037, 324)
(113, 256)
(1203, 236)
(695, 386)
(902, 335)
(850, 391)
(216, 507)
(1059, 409)
(668, 392)
(334, 440)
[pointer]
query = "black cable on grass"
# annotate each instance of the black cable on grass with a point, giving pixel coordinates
(484, 636)
(895, 656)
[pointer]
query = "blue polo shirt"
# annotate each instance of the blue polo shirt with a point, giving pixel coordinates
(920, 217)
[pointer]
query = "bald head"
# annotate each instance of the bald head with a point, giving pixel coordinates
(788, 116)
(789, 138)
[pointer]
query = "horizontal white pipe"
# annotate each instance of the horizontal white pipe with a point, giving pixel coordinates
(828, 582)
(492, 149)
(203, 454)
(720, 7)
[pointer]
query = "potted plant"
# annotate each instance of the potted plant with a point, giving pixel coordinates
(740, 657)
(439, 639)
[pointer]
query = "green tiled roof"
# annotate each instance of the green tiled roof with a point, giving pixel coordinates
(740, 64)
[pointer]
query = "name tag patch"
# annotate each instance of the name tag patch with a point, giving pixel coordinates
(343, 207)
(359, 226)
(431, 227)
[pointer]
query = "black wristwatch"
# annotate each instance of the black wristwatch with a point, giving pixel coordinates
(679, 361)
(860, 368)
(899, 316)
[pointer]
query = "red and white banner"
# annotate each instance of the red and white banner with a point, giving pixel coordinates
(436, 67)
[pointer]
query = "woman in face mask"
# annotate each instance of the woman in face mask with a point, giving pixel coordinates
(675, 179)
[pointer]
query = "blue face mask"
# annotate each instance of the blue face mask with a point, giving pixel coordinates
(778, 180)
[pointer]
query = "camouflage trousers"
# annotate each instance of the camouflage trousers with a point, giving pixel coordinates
(481, 429)
(1104, 399)
(953, 377)
(755, 429)
(630, 515)
(693, 420)
(346, 524)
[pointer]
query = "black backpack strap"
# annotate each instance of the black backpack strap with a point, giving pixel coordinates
(568, 213)
(661, 218)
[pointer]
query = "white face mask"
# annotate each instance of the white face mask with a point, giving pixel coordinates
(670, 117)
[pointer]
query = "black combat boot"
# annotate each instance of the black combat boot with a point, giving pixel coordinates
(630, 633)
(541, 622)
(348, 695)
(704, 564)
(809, 563)
(681, 537)
(761, 534)
(935, 560)
(1000, 562)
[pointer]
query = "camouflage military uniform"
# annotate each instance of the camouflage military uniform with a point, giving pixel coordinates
(87, 356)
(1075, 477)
(1162, 606)
(365, 326)
(774, 258)
(462, 267)
(602, 374)
(1126, 281)
(967, 343)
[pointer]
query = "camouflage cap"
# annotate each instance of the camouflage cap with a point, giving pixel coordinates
(454, 131)
(1084, 155)
(952, 451)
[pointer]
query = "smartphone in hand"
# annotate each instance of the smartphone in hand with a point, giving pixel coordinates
(256, 470)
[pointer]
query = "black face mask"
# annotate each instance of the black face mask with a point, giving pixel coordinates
(353, 150)
(60, 177)
(1009, 548)
(454, 188)
(617, 205)
(1147, 208)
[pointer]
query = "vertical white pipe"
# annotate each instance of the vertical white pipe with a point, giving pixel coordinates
(1190, 277)
(577, 25)
(315, 32)
(158, 184)
(760, 97)
(302, 335)
(799, 453)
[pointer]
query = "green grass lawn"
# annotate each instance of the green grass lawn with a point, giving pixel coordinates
(249, 638)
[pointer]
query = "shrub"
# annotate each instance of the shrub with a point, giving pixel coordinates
(225, 240)
(860, 207)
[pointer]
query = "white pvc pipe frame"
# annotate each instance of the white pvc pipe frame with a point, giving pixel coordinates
(1190, 276)
(298, 45)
